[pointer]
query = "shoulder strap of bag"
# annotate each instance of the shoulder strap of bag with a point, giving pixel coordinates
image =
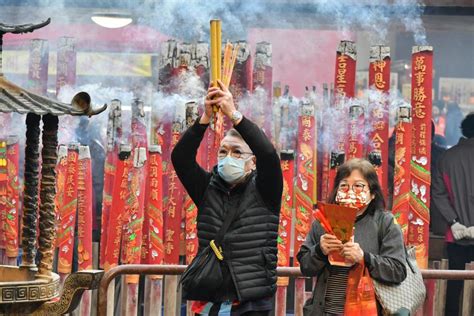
(229, 217)
(380, 237)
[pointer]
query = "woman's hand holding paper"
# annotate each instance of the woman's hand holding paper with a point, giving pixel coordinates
(329, 243)
(352, 252)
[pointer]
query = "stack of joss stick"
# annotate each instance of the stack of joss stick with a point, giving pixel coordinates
(219, 71)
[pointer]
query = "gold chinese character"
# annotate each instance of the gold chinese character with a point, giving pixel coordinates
(378, 126)
(419, 112)
(419, 78)
(306, 135)
(169, 235)
(420, 63)
(399, 138)
(419, 94)
(169, 248)
(306, 121)
(379, 82)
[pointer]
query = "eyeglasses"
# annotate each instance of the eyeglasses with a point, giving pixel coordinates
(234, 153)
(356, 187)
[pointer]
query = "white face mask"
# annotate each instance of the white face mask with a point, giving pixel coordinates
(231, 169)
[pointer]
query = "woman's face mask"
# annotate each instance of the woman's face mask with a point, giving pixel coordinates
(231, 169)
(353, 198)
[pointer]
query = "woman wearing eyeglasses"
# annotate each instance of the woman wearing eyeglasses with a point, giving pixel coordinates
(378, 241)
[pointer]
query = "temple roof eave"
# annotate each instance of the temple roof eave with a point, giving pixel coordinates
(16, 99)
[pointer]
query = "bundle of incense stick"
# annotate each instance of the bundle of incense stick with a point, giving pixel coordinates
(219, 71)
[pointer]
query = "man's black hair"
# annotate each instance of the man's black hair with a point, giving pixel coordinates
(467, 126)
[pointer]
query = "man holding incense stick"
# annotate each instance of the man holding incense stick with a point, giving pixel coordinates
(246, 185)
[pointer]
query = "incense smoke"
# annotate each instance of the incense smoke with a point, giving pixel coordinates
(189, 21)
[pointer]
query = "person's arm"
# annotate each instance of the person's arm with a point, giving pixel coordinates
(389, 265)
(440, 193)
(269, 175)
(311, 258)
(194, 178)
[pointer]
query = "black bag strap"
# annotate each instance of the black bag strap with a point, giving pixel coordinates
(229, 217)
(380, 237)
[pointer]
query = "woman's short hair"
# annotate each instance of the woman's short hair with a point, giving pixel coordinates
(370, 175)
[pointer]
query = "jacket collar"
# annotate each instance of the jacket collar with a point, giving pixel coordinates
(466, 141)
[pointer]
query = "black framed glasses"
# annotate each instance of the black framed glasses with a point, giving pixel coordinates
(236, 153)
(356, 187)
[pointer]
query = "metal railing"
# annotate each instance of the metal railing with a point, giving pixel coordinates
(281, 271)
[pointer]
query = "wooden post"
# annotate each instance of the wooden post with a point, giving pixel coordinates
(95, 266)
(171, 291)
(440, 292)
(111, 298)
(299, 296)
(468, 297)
(153, 295)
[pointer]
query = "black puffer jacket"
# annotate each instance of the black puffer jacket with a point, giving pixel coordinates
(250, 244)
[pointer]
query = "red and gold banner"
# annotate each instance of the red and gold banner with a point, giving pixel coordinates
(379, 80)
(344, 89)
(286, 212)
(355, 144)
(421, 98)
(153, 226)
(13, 201)
(38, 66)
(305, 186)
(114, 135)
(67, 216)
(174, 206)
(263, 78)
(3, 189)
(190, 209)
(66, 66)
(402, 174)
(84, 210)
(200, 61)
(133, 221)
(323, 148)
(61, 174)
(242, 76)
(133, 225)
(344, 81)
(121, 195)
